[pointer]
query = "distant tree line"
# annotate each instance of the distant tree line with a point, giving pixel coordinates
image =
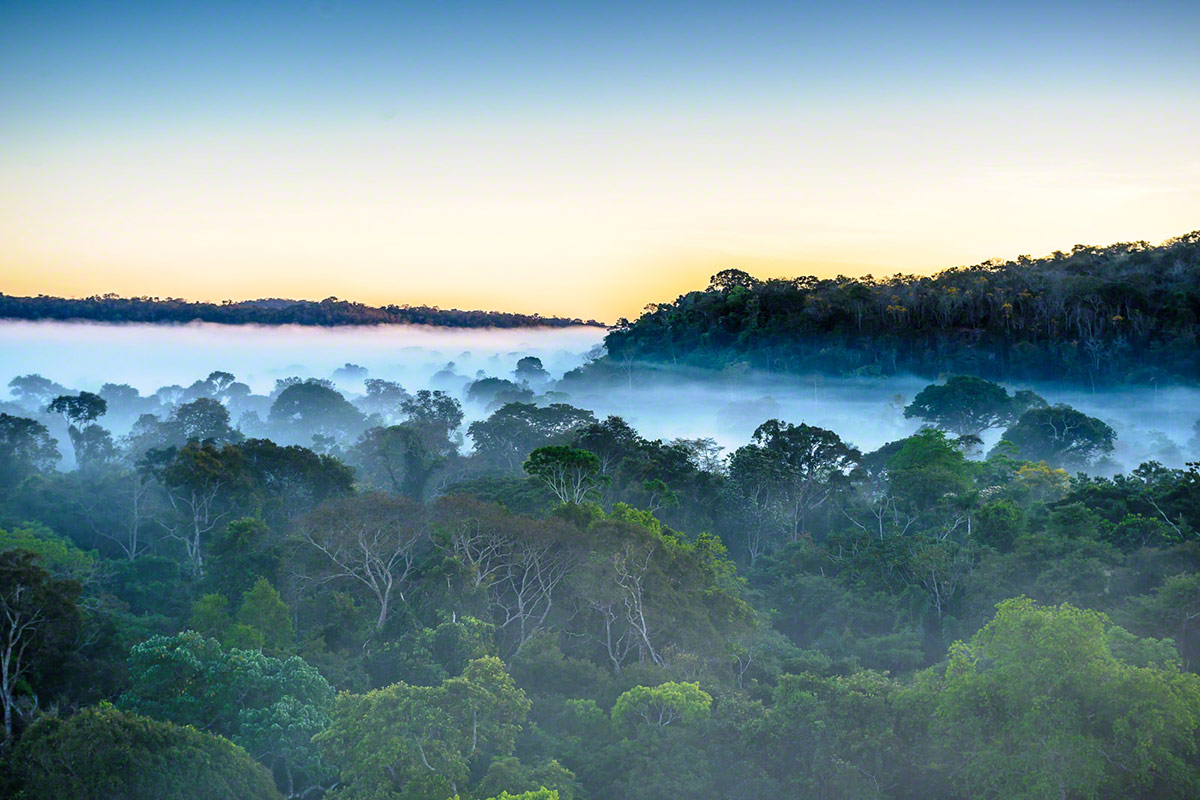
(329, 312)
(1125, 312)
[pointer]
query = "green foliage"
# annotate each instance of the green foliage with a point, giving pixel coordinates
(1038, 704)
(271, 707)
(26, 448)
(834, 736)
(264, 610)
(966, 405)
(515, 430)
(999, 523)
(810, 589)
(668, 703)
(573, 475)
(311, 408)
(547, 779)
(422, 740)
(1171, 610)
(79, 409)
(927, 468)
(541, 793)
(210, 615)
(104, 753)
(55, 554)
(1060, 436)
(427, 656)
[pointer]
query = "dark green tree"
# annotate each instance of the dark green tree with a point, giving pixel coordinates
(1060, 436)
(39, 620)
(102, 753)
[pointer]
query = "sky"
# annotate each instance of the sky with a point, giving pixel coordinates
(578, 159)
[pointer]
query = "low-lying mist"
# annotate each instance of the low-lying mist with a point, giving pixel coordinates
(1152, 422)
(84, 355)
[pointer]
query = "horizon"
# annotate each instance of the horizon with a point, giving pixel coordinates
(587, 321)
(549, 159)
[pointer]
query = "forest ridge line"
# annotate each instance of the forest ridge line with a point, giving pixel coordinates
(1087, 296)
(330, 312)
(1125, 313)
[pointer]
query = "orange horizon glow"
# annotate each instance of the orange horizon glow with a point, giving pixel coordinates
(223, 161)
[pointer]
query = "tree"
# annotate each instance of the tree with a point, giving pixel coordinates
(519, 562)
(26, 448)
(264, 610)
(1060, 436)
(312, 408)
(967, 405)
(547, 780)
(272, 707)
(536, 794)
(56, 555)
(495, 392)
(89, 442)
(833, 737)
(202, 420)
(288, 482)
(1173, 610)
(79, 409)
(369, 540)
(668, 703)
(515, 430)
(93, 446)
(435, 414)
(612, 440)
(200, 483)
(928, 469)
(39, 619)
(530, 370)
(400, 458)
(757, 491)
(385, 399)
(1039, 704)
(34, 392)
(816, 463)
(420, 742)
(573, 475)
(104, 753)
(728, 279)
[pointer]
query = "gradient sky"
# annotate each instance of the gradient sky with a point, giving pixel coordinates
(578, 159)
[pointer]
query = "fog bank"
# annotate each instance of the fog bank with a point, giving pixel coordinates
(1152, 422)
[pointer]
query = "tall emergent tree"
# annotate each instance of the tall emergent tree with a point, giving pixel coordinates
(1061, 436)
(968, 406)
(573, 475)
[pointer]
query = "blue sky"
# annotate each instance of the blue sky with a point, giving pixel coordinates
(592, 107)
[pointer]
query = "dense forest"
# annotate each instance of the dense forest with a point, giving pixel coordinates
(1126, 312)
(330, 311)
(211, 593)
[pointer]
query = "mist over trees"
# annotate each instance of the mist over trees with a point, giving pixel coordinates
(346, 587)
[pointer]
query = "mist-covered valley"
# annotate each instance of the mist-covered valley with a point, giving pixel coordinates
(167, 365)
